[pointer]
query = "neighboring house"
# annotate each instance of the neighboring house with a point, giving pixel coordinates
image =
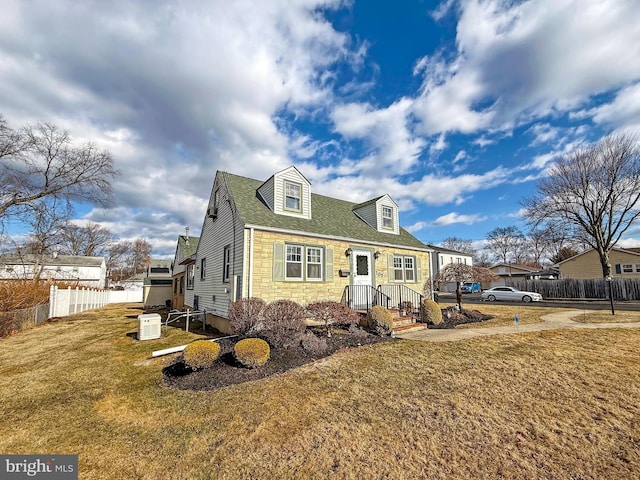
(78, 270)
(509, 271)
(135, 282)
(185, 248)
(275, 239)
(625, 263)
(157, 283)
(441, 258)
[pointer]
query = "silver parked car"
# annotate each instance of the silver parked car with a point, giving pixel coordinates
(510, 293)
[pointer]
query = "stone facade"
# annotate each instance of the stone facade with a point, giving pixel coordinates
(304, 292)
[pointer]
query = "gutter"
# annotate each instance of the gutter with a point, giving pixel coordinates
(250, 266)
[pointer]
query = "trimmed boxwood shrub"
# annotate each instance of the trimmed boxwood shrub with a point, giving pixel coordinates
(251, 352)
(380, 320)
(200, 354)
(431, 312)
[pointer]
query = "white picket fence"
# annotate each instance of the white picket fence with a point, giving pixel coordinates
(67, 301)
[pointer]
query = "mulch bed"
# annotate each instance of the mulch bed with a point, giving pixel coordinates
(227, 372)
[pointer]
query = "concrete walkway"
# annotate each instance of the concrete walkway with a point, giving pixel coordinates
(552, 321)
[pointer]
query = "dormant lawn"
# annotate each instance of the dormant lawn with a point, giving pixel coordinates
(552, 405)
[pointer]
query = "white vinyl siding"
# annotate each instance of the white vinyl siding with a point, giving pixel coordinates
(287, 193)
(214, 293)
(381, 215)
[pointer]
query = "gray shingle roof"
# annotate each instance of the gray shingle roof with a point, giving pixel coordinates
(28, 259)
(189, 245)
(329, 216)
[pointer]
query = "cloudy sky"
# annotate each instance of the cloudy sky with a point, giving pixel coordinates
(453, 108)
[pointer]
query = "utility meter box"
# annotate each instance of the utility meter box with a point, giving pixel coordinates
(149, 326)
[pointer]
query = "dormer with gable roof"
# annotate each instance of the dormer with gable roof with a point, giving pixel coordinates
(287, 193)
(380, 214)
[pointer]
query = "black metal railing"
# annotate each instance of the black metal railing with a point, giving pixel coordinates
(403, 298)
(363, 297)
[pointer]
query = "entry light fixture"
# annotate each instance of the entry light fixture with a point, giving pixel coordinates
(348, 252)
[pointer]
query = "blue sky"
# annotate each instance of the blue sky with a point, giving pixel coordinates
(453, 108)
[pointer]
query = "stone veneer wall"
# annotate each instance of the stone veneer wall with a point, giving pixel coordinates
(306, 292)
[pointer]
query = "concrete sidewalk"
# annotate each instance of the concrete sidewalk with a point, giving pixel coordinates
(552, 321)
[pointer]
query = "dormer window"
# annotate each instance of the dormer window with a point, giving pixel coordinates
(287, 193)
(292, 196)
(387, 217)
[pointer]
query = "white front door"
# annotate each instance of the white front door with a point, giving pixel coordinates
(362, 279)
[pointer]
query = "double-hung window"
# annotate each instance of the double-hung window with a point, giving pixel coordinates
(404, 268)
(409, 269)
(190, 276)
(203, 268)
(387, 217)
(398, 271)
(304, 263)
(293, 196)
(314, 263)
(294, 262)
(226, 263)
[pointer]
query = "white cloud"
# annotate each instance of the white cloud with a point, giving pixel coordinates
(453, 218)
(390, 142)
(518, 61)
(623, 112)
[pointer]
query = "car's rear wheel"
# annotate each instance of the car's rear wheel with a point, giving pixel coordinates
(491, 298)
(526, 299)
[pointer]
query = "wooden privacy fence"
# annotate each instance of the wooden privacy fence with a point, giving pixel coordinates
(597, 288)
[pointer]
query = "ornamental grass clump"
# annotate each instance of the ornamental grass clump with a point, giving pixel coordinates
(251, 352)
(201, 354)
(380, 320)
(431, 312)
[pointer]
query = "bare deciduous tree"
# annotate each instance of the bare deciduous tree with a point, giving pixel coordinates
(594, 190)
(459, 245)
(504, 243)
(41, 162)
(90, 240)
(127, 258)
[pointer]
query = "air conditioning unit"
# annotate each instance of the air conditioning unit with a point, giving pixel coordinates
(212, 212)
(149, 326)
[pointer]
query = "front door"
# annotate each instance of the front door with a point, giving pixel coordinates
(362, 279)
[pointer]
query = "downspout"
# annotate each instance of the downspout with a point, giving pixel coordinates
(250, 266)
